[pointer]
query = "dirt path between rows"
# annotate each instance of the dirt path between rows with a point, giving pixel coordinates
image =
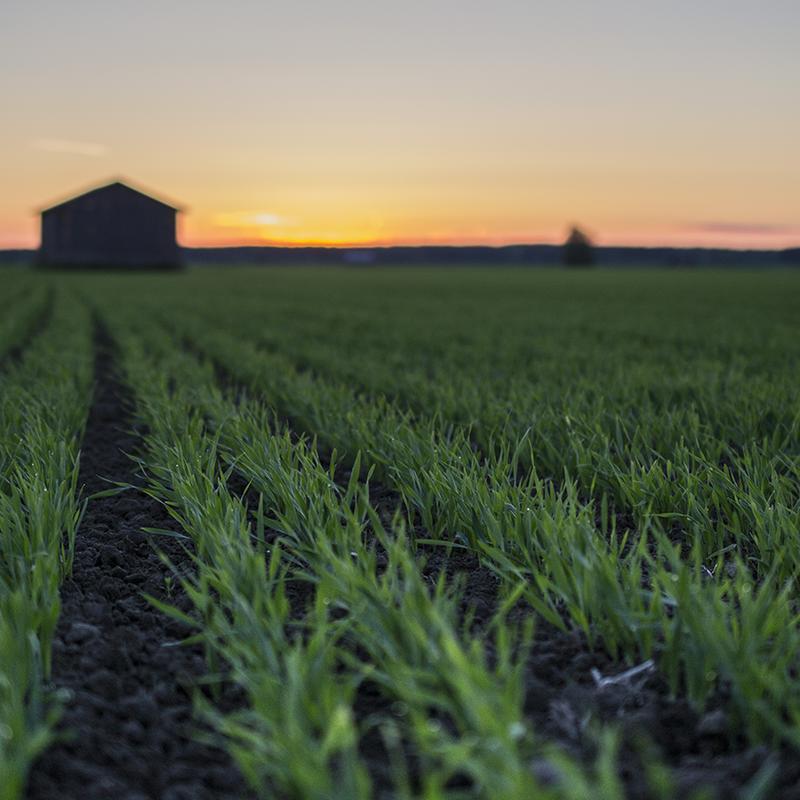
(129, 722)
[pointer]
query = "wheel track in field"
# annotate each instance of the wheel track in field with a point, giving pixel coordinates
(128, 729)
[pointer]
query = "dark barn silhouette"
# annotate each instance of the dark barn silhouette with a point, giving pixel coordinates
(113, 226)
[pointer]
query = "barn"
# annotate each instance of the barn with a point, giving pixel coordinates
(113, 226)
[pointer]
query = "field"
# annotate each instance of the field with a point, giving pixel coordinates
(412, 533)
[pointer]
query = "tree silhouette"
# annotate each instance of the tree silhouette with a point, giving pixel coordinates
(578, 249)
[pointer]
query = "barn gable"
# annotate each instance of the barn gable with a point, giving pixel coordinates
(114, 225)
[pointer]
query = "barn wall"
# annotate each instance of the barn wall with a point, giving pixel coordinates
(113, 226)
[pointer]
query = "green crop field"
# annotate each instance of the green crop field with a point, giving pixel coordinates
(435, 533)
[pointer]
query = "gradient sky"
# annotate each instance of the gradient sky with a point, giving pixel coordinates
(413, 122)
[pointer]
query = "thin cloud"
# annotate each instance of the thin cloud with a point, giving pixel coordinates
(90, 149)
(745, 228)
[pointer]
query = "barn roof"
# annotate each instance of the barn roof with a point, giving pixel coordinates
(104, 187)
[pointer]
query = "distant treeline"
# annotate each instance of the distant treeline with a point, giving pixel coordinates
(543, 255)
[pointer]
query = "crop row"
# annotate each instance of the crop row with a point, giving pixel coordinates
(710, 621)
(708, 444)
(43, 405)
(20, 316)
(304, 635)
(647, 504)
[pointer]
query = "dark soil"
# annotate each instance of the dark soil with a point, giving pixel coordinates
(128, 732)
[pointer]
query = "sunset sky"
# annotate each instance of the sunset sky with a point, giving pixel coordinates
(646, 121)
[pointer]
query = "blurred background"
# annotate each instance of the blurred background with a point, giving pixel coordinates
(364, 123)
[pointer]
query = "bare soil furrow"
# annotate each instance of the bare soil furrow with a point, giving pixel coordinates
(128, 731)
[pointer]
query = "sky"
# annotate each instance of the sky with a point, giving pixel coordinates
(353, 122)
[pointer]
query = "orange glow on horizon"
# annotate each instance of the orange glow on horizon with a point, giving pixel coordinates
(202, 233)
(629, 240)
(354, 125)
(329, 219)
(191, 234)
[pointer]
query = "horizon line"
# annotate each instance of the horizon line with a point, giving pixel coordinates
(453, 245)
